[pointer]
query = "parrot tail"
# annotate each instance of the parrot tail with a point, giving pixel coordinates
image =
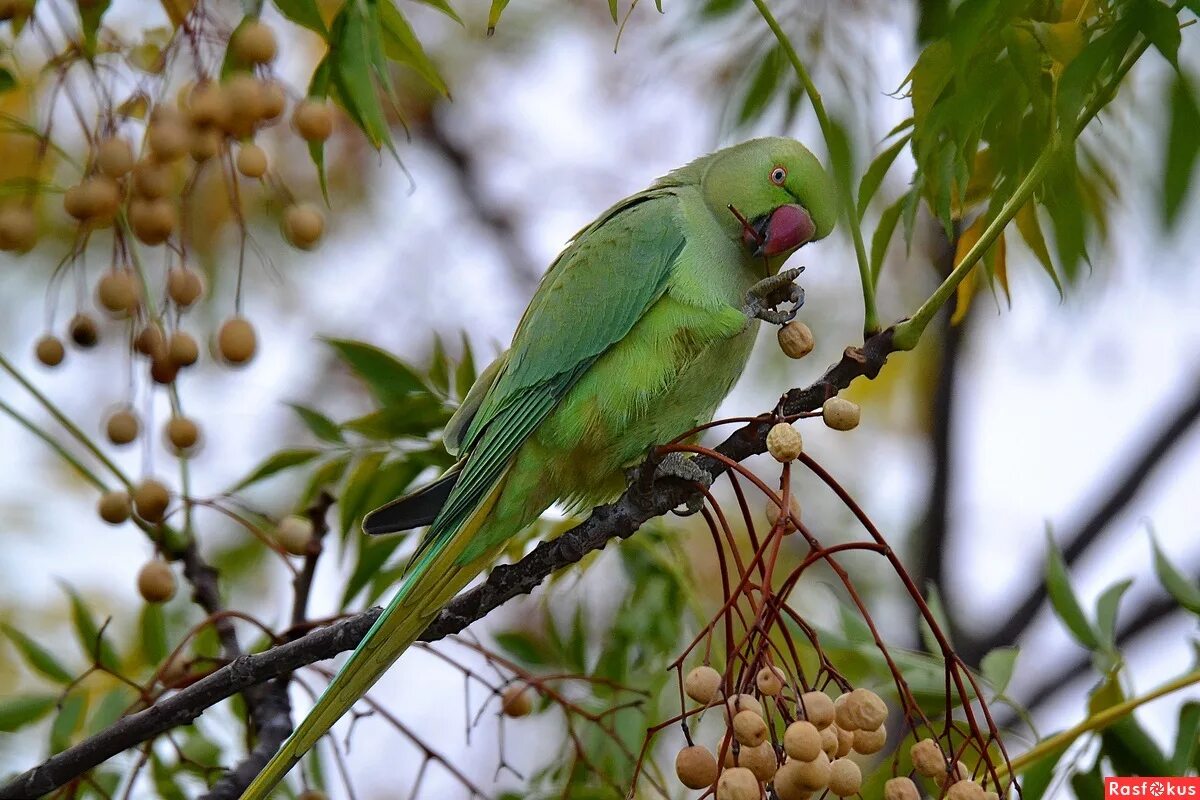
(432, 581)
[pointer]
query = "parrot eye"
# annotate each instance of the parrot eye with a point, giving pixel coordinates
(778, 176)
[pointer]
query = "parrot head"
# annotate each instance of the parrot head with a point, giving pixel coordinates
(772, 195)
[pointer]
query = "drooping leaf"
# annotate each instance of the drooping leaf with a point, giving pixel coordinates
(96, 648)
(1106, 612)
(352, 504)
(276, 463)
(110, 708)
(402, 45)
(444, 7)
(465, 373)
(1184, 590)
(153, 628)
(1187, 738)
(998, 666)
(17, 712)
(91, 12)
(883, 235)
(762, 87)
(318, 424)
(494, 11)
(964, 293)
(1063, 599)
(352, 71)
(1031, 231)
(1159, 24)
(1183, 145)
(416, 416)
(304, 13)
(387, 377)
(873, 177)
(439, 370)
(38, 657)
(68, 720)
(1037, 778)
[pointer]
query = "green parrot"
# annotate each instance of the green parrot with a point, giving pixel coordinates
(635, 334)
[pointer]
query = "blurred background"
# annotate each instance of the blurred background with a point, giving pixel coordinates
(1070, 416)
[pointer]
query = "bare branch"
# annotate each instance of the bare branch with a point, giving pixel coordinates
(620, 519)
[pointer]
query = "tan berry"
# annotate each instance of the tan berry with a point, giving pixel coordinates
(83, 330)
(122, 427)
(207, 106)
(927, 758)
(294, 534)
(156, 582)
(313, 120)
(163, 370)
(961, 773)
(184, 286)
(760, 759)
(49, 350)
(153, 221)
(860, 709)
(696, 767)
(813, 775)
(151, 180)
(829, 740)
(965, 790)
(845, 741)
(795, 339)
(254, 43)
(114, 507)
(738, 783)
(252, 161)
(703, 684)
(802, 740)
(870, 742)
(900, 789)
(18, 229)
(749, 728)
(841, 414)
(243, 94)
(118, 292)
(114, 157)
(151, 341)
(770, 680)
(845, 777)
(167, 138)
(182, 433)
(743, 702)
(787, 782)
(150, 500)
(205, 143)
(773, 513)
(303, 226)
(95, 200)
(274, 101)
(516, 700)
(312, 794)
(236, 341)
(818, 708)
(182, 349)
(784, 442)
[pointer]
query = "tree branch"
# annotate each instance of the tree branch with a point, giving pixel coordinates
(620, 519)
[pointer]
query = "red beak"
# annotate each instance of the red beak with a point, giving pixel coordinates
(781, 231)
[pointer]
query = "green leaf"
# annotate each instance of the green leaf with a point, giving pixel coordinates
(526, 648)
(153, 628)
(318, 88)
(1187, 740)
(388, 378)
(17, 712)
(1183, 145)
(762, 85)
(1159, 24)
(1088, 784)
(70, 717)
(417, 416)
(37, 656)
(444, 7)
(109, 710)
(164, 779)
(402, 45)
(90, 14)
(7, 81)
(352, 505)
(883, 235)
(1037, 777)
(930, 77)
(352, 68)
(304, 13)
(997, 667)
(1184, 590)
(88, 633)
(1132, 750)
(873, 177)
(323, 477)
(318, 424)
(1106, 612)
(465, 374)
(1031, 231)
(1063, 599)
(276, 463)
(439, 368)
(494, 12)
(373, 553)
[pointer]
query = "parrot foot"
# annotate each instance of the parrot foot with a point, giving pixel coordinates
(678, 465)
(764, 297)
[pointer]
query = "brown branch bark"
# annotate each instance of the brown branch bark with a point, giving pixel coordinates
(619, 519)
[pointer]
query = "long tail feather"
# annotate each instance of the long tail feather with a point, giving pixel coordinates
(432, 581)
(414, 510)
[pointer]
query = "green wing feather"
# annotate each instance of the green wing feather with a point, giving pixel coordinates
(589, 299)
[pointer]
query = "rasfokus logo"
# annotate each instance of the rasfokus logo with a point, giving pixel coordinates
(1151, 787)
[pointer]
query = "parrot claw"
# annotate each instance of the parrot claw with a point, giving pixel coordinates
(678, 465)
(764, 297)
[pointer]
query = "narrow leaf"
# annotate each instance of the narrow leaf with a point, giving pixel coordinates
(883, 235)
(1183, 145)
(38, 657)
(274, 464)
(153, 628)
(88, 633)
(67, 722)
(352, 504)
(17, 712)
(1184, 590)
(997, 667)
(1063, 599)
(873, 177)
(1106, 611)
(304, 13)
(494, 12)
(388, 378)
(1031, 232)
(318, 424)
(402, 45)
(444, 7)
